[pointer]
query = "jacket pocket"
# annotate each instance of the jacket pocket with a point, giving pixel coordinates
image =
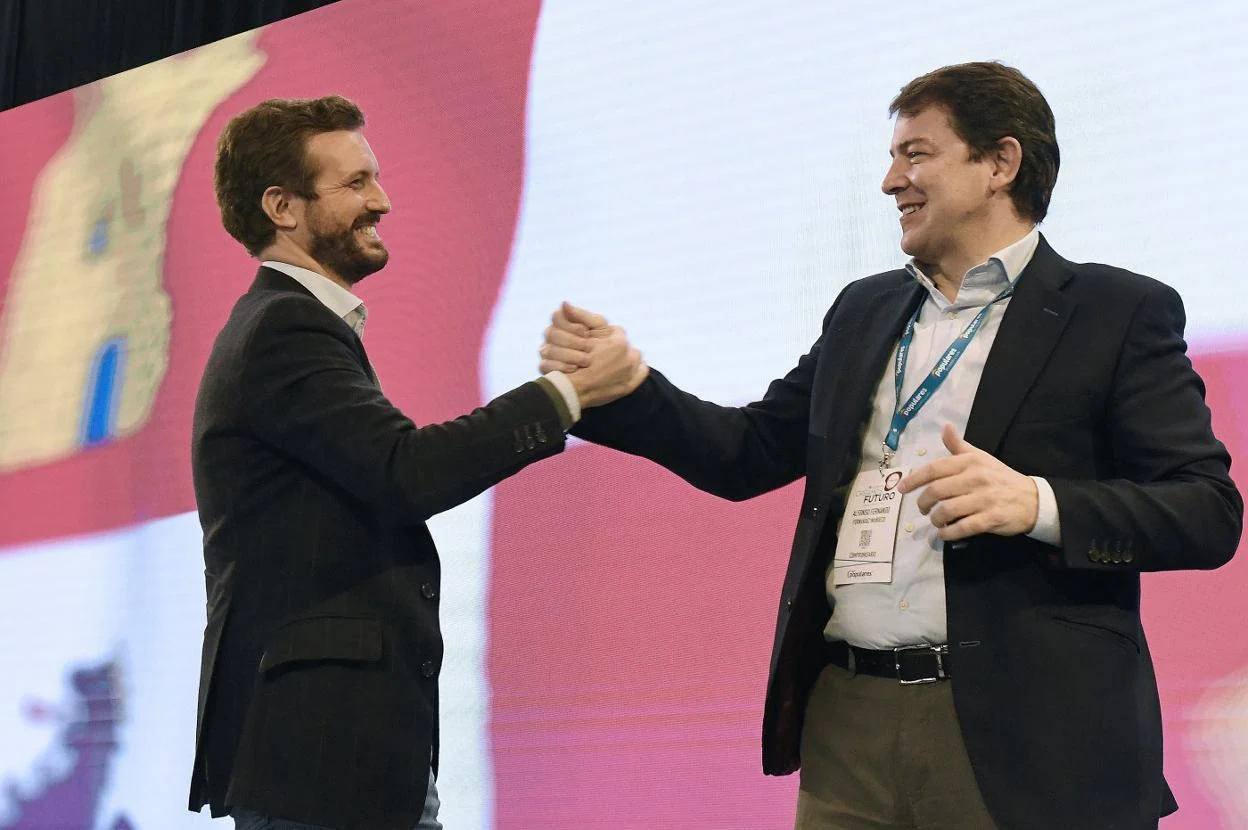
(353, 639)
(1097, 624)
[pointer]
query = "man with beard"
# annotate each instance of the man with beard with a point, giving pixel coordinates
(318, 694)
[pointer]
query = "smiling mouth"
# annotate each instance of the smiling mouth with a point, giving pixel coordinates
(369, 232)
(910, 210)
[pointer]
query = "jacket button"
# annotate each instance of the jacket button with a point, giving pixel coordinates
(428, 591)
(428, 669)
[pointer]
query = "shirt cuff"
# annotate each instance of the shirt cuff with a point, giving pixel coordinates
(570, 399)
(1048, 527)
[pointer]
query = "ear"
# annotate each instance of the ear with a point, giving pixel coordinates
(1006, 159)
(279, 207)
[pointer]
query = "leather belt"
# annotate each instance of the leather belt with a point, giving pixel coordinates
(908, 665)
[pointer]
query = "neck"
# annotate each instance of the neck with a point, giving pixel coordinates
(949, 286)
(949, 269)
(282, 250)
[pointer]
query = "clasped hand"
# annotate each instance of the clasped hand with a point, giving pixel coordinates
(595, 355)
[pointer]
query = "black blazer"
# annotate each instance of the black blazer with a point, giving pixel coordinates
(1088, 385)
(318, 697)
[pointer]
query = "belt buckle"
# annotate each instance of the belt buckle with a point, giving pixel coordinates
(939, 651)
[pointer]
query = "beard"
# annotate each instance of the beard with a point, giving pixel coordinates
(342, 252)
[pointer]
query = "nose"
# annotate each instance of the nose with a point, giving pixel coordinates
(894, 181)
(378, 200)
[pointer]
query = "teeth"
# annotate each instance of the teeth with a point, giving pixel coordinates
(909, 209)
(369, 230)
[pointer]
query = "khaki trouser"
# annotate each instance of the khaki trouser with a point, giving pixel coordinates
(877, 755)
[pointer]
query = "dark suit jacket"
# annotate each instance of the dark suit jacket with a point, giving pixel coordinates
(318, 698)
(1088, 385)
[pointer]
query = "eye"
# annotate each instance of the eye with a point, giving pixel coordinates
(357, 184)
(915, 155)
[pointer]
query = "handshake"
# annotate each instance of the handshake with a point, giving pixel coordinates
(597, 358)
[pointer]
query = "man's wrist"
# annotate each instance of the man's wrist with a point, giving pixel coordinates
(566, 399)
(1048, 528)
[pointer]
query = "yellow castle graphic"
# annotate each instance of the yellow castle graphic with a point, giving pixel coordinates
(85, 330)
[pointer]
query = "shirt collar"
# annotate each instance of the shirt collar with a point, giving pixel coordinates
(989, 277)
(332, 295)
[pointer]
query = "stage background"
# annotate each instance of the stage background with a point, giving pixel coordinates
(707, 174)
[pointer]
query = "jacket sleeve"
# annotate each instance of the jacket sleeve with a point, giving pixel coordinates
(732, 452)
(308, 396)
(1172, 504)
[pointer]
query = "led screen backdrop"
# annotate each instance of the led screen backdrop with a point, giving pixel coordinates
(707, 174)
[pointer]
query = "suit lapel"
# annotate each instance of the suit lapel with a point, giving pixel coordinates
(368, 366)
(270, 279)
(363, 353)
(1034, 320)
(871, 337)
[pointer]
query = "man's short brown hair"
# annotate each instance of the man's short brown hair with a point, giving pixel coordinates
(267, 146)
(988, 101)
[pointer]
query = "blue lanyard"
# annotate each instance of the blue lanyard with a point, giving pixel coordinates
(906, 412)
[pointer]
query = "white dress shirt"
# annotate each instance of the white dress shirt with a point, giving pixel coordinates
(332, 295)
(911, 609)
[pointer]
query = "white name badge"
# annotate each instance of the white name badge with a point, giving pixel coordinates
(864, 549)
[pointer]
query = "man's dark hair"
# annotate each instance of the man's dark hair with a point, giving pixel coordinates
(267, 146)
(988, 101)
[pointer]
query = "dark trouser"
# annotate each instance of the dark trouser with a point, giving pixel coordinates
(877, 755)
